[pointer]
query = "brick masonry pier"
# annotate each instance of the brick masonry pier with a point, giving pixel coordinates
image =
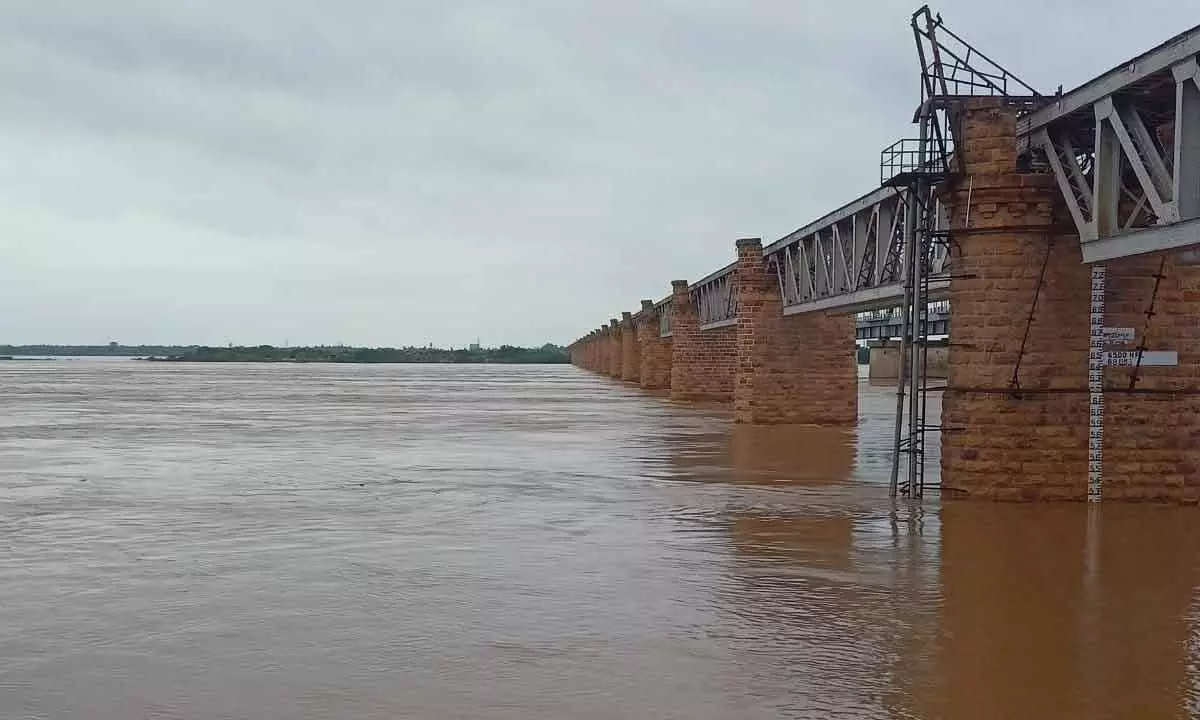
(1021, 431)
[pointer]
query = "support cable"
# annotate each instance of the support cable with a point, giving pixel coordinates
(1150, 313)
(1015, 383)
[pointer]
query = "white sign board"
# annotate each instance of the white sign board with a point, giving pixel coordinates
(1118, 334)
(1150, 358)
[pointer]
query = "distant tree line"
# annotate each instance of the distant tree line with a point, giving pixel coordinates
(511, 354)
(114, 349)
(548, 353)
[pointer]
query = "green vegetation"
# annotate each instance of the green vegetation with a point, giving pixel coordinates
(340, 354)
(863, 354)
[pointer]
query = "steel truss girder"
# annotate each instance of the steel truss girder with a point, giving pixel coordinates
(1127, 162)
(1155, 62)
(850, 259)
(715, 299)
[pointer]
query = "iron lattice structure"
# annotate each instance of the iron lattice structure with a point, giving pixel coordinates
(715, 300)
(1124, 149)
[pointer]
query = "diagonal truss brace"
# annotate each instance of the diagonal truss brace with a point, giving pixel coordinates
(1186, 176)
(716, 300)
(852, 258)
(1093, 180)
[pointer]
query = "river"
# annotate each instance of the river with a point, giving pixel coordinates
(403, 541)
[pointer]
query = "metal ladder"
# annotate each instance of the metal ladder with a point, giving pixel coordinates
(951, 70)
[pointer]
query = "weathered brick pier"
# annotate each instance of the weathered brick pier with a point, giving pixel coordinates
(1065, 233)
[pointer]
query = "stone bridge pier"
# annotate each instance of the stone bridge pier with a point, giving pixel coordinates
(791, 369)
(703, 359)
(631, 364)
(599, 351)
(774, 368)
(630, 349)
(612, 349)
(595, 347)
(582, 352)
(655, 352)
(1017, 411)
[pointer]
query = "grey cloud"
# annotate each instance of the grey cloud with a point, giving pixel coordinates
(392, 172)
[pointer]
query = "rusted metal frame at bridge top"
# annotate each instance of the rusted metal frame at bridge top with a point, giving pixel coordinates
(1124, 149)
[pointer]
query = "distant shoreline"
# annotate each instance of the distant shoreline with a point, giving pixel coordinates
(548, 354)
(286, 361)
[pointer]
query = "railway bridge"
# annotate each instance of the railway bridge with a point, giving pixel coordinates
(1060, 232)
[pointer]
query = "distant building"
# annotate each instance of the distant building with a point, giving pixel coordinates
(474, 347)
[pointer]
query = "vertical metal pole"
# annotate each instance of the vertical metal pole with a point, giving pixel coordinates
(932, 225)
(914, 380)
(902, 370)
(927, 248)
(915, 449)
(906, 338)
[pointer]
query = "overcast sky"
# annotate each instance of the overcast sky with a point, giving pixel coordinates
(390, 172)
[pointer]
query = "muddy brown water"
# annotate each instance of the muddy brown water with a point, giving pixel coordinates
(322, 541)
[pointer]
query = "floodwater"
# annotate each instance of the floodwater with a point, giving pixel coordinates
(319, 541)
